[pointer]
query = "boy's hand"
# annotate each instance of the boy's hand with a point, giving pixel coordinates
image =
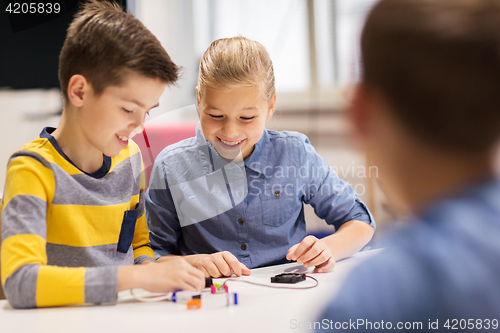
(172, 275)
(175, 274)
(312, 252)
(221, 264)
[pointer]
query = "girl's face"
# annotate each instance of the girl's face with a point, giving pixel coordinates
(233, 118)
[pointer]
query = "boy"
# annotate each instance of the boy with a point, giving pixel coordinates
(427, 110)
(74, 197)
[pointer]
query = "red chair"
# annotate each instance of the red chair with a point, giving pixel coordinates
(156, 137)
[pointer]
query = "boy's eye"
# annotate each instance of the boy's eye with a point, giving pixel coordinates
(128, 111)
(247, 118)
(215, 116)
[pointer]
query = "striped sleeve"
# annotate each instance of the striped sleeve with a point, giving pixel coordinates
(141, 245)
(27, 279)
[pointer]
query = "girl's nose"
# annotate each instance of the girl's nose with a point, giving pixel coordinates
(230, 130)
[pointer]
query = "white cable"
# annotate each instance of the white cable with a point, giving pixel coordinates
(152, 297)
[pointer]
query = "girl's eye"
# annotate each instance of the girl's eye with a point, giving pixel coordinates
(215, 116)
(247, 118)
(127, 111)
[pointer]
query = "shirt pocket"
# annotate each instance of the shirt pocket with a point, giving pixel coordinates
(127, 230)
(278, 204)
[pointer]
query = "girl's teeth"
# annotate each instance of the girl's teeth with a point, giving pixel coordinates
(230, 143)
(123, 138)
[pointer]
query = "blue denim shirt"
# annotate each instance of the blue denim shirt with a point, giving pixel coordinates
(198, 202)
(444, 265)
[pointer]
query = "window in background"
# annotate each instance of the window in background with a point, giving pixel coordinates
(280, 25)
(325, 32)
(349, 16)
(293, 31)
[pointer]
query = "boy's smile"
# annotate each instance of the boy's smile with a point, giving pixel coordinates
(123, 139)
(233, 118)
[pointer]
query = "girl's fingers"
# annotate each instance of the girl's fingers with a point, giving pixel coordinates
(310, 254)
(222, 265)
(203, 269)
(321, 258)
(245, 270)
(211, 268)
(233, 263)
(290, 252)
(326, 266)
(303, 247)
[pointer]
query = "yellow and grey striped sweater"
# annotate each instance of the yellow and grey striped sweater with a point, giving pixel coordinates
(65, 232)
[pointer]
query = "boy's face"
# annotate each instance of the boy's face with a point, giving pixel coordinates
(233, 119)
(108, 121)
(387, 144)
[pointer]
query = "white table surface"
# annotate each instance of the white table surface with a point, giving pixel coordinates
(260, 309)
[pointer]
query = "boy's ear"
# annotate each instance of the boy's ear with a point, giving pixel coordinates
(272, 107)
(360, 110)
(77, 87)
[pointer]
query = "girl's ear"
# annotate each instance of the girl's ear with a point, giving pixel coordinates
(77, 88)
(197, 96)
(272, 107)
(197, 101)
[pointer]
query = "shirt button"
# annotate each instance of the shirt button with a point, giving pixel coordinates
(277, 194)
(243, 246)
(241, 221)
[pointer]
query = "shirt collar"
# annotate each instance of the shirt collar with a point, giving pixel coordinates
(260, 159)
(485, 189)
(103, 170)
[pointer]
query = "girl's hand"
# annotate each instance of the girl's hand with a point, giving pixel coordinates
(312, 252)
(221, 264)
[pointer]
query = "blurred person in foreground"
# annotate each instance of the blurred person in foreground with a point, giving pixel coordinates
(428, 113)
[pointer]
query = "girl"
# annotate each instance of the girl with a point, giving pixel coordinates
(232, 198)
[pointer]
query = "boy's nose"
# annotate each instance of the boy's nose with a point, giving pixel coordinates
(137, 121)
(137, 130)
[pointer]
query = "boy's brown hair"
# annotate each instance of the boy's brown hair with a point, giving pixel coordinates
(104, 44)
(437, 62)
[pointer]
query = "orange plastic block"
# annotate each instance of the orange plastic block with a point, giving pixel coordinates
(194, 304)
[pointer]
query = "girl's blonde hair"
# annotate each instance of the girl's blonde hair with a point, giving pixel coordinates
(237, 61)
